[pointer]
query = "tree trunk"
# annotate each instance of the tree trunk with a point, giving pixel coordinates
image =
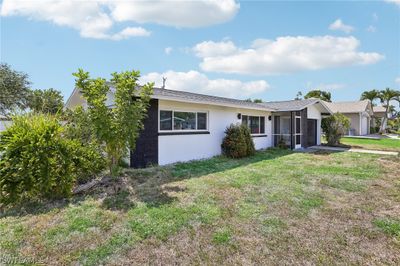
(382, 129)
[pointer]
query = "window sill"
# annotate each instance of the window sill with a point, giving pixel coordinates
(259, 136)
(183, 133)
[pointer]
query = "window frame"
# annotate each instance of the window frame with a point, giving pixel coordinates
(259, 124)
(182, 130)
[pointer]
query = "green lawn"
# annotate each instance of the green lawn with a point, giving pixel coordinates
(277, 207)
(374, 144)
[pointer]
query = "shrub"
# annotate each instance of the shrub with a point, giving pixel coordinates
(334, 127)
(237, 142)
(38, 162)
(88, 161)
(87, 150)
(249, 140)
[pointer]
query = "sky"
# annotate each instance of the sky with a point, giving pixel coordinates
(238, 49)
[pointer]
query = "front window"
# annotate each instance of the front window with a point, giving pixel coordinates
(255, 123)
(184, 121)
(180, 120)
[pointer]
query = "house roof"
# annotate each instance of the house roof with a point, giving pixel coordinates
(292, 105)
(348, 107)
(4, 118)
(183, 96)
(379, 109)
(165, 94)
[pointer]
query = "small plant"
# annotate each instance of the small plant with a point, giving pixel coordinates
(282, 144)
(334, 127)
(223, 236)
(237, 142)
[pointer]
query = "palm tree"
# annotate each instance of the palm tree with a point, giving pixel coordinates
(386, 96)
(370, 95)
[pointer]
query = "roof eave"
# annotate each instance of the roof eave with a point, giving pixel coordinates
(177, 99)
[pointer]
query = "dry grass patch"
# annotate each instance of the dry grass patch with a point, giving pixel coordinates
(277, 207)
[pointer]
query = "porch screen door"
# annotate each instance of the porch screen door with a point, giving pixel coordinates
(297, 130)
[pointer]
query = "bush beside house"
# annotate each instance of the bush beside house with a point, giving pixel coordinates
(38, 162)
(237, 142)
(334, 127)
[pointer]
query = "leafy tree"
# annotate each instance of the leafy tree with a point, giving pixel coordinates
(253, 101)
(371, 95)
(386, 96)
(14, 89)
(115, 128)
(323, 95)
(299, 96)
(334, 127)
(48, 101)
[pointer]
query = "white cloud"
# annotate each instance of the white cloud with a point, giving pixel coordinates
(371, 28)
(210, 48)
(397, 2)
(339, 25)
(168, 50)
(285, 55)
(130, 32)
(325, 86)
(96, 18)
(194, 81)
(397, 80)
(184, 14)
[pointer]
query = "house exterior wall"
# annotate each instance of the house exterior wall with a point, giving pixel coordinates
(314, 113)
(146, 150)
(176, 148)
(354, 122)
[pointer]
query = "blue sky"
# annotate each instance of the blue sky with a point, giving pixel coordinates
(240, 49)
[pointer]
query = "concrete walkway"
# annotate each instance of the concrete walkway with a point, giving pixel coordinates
(376, 136)
(328, 148)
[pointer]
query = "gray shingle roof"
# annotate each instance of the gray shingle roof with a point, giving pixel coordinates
(293, 105)
(348, 107)
(379, 109)
(160, 93)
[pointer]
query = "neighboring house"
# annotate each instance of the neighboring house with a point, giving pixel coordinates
(4, 122)
(359, 113)
(183, 126)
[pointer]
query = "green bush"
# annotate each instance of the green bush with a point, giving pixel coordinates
(249, 140)
(87, 149)
(237, 142)
(38, 162)
(334, 127)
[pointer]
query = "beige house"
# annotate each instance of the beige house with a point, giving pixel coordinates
(360, 114)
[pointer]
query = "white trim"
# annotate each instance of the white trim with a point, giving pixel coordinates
(297, 146)
(183, 111)
(259, 124)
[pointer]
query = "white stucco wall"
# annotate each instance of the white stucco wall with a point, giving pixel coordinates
(175, 148)
(354, 122)
(314, 112)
